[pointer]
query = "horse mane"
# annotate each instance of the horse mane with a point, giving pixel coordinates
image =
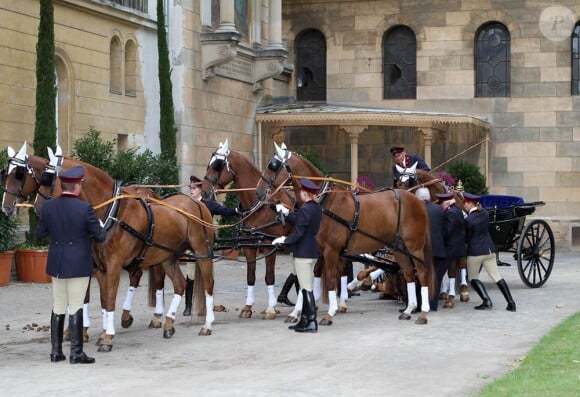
(99, 172)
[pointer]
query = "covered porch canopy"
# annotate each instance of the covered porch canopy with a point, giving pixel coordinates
(354, 120)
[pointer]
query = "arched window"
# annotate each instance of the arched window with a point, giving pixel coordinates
(130, 68)
(115, 76)
(492, 61)
(399, 63)
(576, 60)
(311, 66)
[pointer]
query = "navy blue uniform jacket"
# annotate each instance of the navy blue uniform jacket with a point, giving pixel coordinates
(479, 241)
(70, 223)
(438, 228)
(217, 209)
(455, 246)
(412, 159)
(306, 224)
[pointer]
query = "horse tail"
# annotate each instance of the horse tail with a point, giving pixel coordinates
(199, 292)
(429, 266)
(152, 288)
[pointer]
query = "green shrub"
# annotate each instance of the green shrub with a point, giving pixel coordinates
(471, 177)
(126, 165)
(8, 233)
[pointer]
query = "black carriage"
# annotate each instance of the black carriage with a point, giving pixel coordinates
(532, 244)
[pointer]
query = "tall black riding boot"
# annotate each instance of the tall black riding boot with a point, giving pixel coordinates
(310, 307)
(503, 287)
(482, 292)
(77, 356)
(283, 297)
(56, 331)
(188, 296)
(303, 317)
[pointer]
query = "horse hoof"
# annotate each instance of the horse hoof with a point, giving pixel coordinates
(464, 298)
(404, 316)
(246, 312)
(168, 333)
(105, 348)
(443, 296)
(449, 303)
(326, 320)
(342, 309)
(126, 323)
(290, 319)
(421, 321)
(204, 332)
(155, 324)
(269, 316)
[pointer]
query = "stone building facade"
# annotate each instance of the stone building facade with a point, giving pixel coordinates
(535, 140)
(230, 58)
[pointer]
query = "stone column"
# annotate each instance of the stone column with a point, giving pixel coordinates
(205, 11)
(354, 132)
(227, 16)
(427, 133)
(275, 24)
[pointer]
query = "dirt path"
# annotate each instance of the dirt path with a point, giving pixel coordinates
(366, 352)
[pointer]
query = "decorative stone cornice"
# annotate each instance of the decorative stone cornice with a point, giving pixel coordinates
(216, 49)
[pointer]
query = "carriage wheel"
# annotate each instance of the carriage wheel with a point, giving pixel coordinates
(535, 253)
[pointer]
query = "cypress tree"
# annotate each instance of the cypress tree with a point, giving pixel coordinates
(45, 121)
(167, 131)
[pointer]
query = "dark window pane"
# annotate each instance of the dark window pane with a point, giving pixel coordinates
(492, 61)
(576, 60)
(399, 64)
(311, 66)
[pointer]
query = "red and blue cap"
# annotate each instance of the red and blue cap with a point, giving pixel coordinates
(73, 175)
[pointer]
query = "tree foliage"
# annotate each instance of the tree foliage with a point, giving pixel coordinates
(167, 129)
(45, 122)
(471, 177)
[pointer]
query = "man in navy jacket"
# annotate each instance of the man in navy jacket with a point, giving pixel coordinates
(71, 225)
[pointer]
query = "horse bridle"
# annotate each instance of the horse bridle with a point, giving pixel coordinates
(21, 168)
(218, 162)
(276, 165)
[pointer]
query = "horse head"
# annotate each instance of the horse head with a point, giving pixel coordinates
(19, 179)
(48, 188)
(271, 178)
(219, 171)
(407, 176)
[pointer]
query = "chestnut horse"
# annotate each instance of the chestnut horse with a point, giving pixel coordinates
(147, 233)
(357, 224)
(25, 176)
(226, 166)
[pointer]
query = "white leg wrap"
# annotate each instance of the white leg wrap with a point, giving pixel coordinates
(353, 284)
(104, 315)
(463, 276)
(411, 296)
(128, 304)
(452, 286)
(110, 326)
(425, 299)
(317, 288)
(209, 316)
(173, 306)
(444, 283)
(250, 299)
(298, 308)
(86, 318)
(376, 274)
(332, 305)
(343, 289)
(159, 301)
(271, 297)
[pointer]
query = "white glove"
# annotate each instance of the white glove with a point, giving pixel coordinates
(101, 223)
(281, 208)
(279, 240)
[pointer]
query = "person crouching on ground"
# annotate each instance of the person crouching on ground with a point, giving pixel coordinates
(481, 252)
(306, 224)
(71, 224)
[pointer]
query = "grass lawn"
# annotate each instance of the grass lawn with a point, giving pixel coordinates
(552, 368)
